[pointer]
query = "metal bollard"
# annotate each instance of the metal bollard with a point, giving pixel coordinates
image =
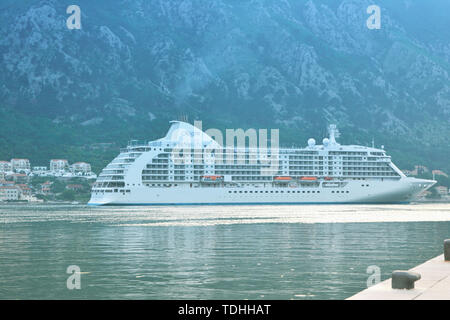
(404, 279)
(447, 250)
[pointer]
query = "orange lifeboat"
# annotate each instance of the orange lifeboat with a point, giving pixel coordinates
(309, 179)
(328, 178)
(282, 178)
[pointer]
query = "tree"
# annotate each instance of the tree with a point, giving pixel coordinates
(67, 195)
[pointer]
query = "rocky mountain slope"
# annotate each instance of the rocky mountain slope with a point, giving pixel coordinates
(296, 65)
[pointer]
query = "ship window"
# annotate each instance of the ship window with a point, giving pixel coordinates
(332, 191)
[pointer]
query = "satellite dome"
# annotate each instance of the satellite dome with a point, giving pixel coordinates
(326, 142)
(311, 142)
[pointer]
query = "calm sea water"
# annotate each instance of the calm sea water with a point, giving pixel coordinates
(212, 252)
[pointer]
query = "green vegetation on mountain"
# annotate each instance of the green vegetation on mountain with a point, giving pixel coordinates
(293, 65)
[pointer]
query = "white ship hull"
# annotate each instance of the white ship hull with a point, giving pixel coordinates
(396, 191)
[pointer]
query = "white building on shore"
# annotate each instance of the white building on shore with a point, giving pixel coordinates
(59, 165)
(82, 167)
(9, 193)
(20, 165)
(5, 166)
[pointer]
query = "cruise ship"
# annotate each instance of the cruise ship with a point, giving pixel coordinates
(154, 173)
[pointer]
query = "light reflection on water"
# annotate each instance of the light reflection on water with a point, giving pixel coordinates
(212, 252)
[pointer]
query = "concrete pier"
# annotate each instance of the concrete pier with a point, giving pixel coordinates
(434, 284)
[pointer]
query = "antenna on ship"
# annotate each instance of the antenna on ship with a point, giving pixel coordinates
(373, 142)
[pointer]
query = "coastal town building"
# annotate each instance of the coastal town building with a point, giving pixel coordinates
(18, 177)
(5, 166)
(15, 185)
(46, 187)
(439, 173)
(24, 189)
(9, 193)
(442, 190)
(59, 164)
(20, 165)
(418, 170)
(82, 167)
(4, 183)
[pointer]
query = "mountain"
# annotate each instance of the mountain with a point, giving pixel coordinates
(296, 65)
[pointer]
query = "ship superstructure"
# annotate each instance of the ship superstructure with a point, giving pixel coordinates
(189, 167)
